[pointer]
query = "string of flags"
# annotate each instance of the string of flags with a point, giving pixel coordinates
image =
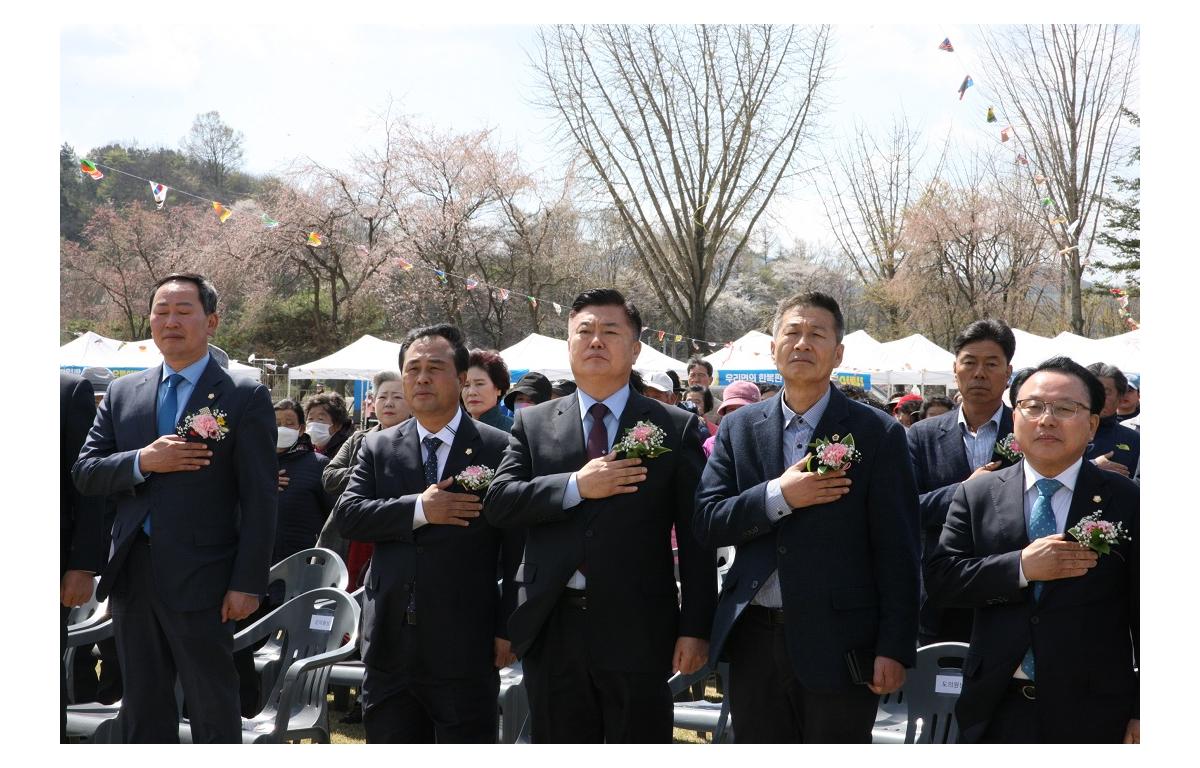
(1122, 297)
(316, 240)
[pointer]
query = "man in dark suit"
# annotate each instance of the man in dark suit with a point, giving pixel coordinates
(1054, 644)
(195, 519)
(80, 518)
(433, 618)
(599, 625)
(958, 445)
(1115, 447)
(827, 565)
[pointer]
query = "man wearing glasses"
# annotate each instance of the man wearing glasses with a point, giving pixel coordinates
(1054, 644)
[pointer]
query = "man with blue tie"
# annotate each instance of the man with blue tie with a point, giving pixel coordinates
(1054, 642)
(188, 455)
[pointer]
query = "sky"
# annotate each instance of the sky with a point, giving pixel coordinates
(295, 97)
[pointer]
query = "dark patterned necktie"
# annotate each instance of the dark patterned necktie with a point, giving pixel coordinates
(597, 442)
(431, 444)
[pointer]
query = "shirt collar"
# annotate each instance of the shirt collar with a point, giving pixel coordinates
(446, 433)
(812, 416)
(191, 373)
(616, 402)
(995, 418)
(1067, 477)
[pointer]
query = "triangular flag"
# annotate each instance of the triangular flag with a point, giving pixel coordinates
(441, 276)
(1039, 179)
(222, 212)
(1021, 159)
(1058, 220)
(962, 89)
(268, 222)
(314, 239)
(503, 294)
(160, 194)
(1068, 249)
(946, 46)
(532, 301)
(991, 116)
(557, 308)
(1004, 133)
(1047, 202)
(472, 283)
(695, 346)
(1072, 226)
(86, 168)
(679, 337)
(404, 263)
(661, 334)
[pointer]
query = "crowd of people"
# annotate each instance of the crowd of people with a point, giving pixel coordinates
(574, 525)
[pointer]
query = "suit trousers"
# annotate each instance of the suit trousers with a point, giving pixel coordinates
(572, 701)
(768, 705)
(154, 645)
(441, 712)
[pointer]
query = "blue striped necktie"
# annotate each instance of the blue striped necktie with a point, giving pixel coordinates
(1041, 524)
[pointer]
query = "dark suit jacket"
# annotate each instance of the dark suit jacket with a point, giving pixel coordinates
(459, 608)
(1084, 631)
(848, 570)
(940, 464)
(80, 518)
(1124, 443)
(633, 603)
(212, 528)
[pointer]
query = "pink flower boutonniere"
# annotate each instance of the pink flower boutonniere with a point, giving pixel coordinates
(1098, 534)
(205, 424)
(833, 455)
(1009, 448)
(476, 477)
(642, 440)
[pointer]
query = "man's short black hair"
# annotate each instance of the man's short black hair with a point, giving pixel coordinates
(1062, 364)
(811, 299)
(695, 360)
(987, 330)
(208, 294)
(1106, 371)
(608, 297)
(462, 355)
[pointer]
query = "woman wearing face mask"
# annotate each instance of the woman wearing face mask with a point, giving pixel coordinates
(303, 503)
(487, 381)
(327, 422)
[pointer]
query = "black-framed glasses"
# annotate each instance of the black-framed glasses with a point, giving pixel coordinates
(1032, 408)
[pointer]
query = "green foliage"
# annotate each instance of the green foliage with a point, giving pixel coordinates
(1122, 230)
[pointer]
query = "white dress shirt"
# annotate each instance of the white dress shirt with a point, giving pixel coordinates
(446, 435)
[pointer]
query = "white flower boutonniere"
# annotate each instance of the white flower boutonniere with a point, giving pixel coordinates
(1098, 534)
(642, 440)
(476, 477)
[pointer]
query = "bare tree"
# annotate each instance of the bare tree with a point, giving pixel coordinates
(868, 189)
(215, 147)
(689, 132)
(1064, 87)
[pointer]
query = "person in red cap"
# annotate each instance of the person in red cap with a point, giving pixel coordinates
(736, 395)
(906, 408)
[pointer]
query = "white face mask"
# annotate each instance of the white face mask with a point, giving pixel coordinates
(287, 438)
(317, 432)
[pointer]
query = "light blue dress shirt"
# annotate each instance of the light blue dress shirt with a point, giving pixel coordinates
(183, 392)
(616, 403)
(798, 432)
(982, 444)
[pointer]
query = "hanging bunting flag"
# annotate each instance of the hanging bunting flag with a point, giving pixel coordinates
(1004, 134)
(1047, 202)
(679, 337)
(557, 307)
(1068, 249)
(502, 293)
(946, 46)
(1058, 220)
(404, 263)
(532, 301)
(87, 169)
(1021, 159)
(222, 212)
(1072, 226)
(472, 283)
(441, 276)
(661, 335)
(1039, 179)
(160, 194)
(695, 346)
(313, 239)
(991, 115)
(268, 222)
(962, 89)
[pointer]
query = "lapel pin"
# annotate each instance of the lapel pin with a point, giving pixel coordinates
(468, 451)
(211, 395)
(1096, 499)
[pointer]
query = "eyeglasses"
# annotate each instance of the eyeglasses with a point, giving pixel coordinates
(1063, 409)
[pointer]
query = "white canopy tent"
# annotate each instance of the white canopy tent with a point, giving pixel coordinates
(550, 356)
(91, 350)
(1032, 349)
(360, 359)
(913, 360)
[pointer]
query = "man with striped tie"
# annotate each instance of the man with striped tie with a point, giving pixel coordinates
(433, 619)
(1054, 643)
